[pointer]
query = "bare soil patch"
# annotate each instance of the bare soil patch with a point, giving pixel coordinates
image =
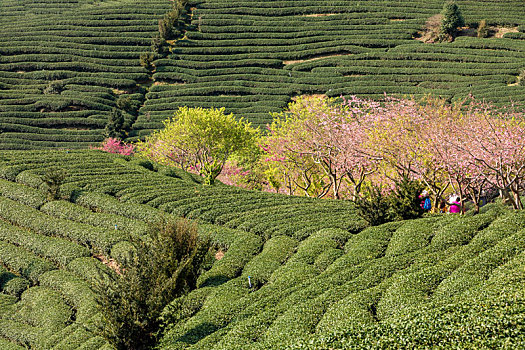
(321, 14)
(167, 83)
(111, 263)
(219, 255)
(467, 31)
(500, 31)
(119, 92)
(430, 31)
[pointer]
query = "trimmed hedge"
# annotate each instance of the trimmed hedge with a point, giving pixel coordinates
(7, 345)
(274, 253)
(74, 290)
(322, 242)
(37, 221)
(20, 333)
(23, 262)
(109, 204)
(11, 285)
(70, 211)
(239, 253)
(55, 249)
(43, 308)
(22, 194)
(413, 235)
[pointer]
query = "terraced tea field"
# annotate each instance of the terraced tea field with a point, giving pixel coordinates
(319, 278)
(294, 272)
(50, 251)
(252, 57)
(88, 49)
(63, 65)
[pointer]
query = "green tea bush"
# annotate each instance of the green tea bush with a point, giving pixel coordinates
(292, 274)
(29, 178)
(357, 308)
(42, 223)
(373, 237)
(10, 172)
(88, 268)
(461, 230)
(413, 235)
(505, 279)
(478, 269)
(317, 243)
(220, 307)
(464, 261)
(221, 236)
(22, 194)
(74, 290)
(300, 319)
(326, 258)
(59, 336)
(409, 291)
(20, 333)
(75, 340)
(55, 249)
(94, 343)
(70, 211)
(441, 327)
(15, 286)
(274, 253)
(23, 262)
(182, 308)
(112, 205)
(245, 247)
(42, 308)
(7, 345)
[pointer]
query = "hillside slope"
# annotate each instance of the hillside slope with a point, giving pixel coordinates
(296, 273)
(436, 282)
(63, 65)
(253, 56)
(50, 250)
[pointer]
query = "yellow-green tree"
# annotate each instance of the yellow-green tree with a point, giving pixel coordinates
(200, 140)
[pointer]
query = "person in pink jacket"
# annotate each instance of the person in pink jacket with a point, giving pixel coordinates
(455, 206)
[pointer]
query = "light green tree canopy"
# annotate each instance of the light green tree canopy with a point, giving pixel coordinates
(200, 140)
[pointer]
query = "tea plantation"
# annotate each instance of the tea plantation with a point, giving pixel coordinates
(64, 65)
(293, 272)
(251, 57)
(297, 273)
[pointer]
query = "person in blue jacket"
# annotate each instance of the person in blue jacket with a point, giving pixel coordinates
(425, 204)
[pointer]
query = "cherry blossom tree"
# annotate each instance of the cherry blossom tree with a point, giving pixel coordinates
(491, 144)
(321, 143)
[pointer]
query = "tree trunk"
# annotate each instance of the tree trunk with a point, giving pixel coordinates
(507, 198)
(517, 199)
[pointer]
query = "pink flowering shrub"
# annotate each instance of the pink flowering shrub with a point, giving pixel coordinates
(113, 145)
